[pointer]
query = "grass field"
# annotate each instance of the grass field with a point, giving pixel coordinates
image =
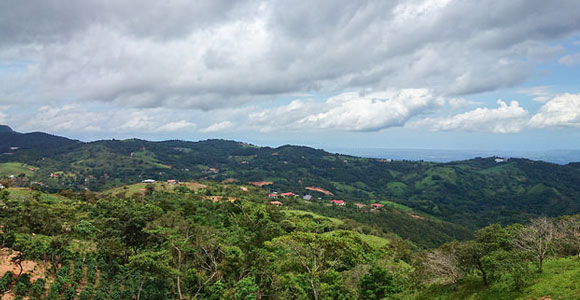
(24, 193)
(559, 281)
(396, 205)
(139, 188)
(299, 213)
(15, 168)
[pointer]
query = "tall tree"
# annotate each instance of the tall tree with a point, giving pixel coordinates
(570, 229)
(536, 239)
(444, 264)
(318, 254)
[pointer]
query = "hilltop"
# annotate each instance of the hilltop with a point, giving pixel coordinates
(5, 129)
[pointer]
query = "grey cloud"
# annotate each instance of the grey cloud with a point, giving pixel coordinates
(216, 54)
(47, 21)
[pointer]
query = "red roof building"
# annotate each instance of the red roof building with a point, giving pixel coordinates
(377, 205)
(338, 202)
(277, 203)
(273, 195)
(287, 194)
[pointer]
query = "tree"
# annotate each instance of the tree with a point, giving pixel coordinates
(570, 228)
(510, 266)
(536, 239)
(487, 240)
(317, 254)
(246, 289)
(378, 284)
(443, 263)
(151, 264)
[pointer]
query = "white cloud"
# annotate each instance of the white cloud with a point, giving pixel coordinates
(349, 111)
(561, 111)
(74, 118)
(506, 118)
(570, 60)
(539, 93)
(175, 126)
(220, 126)
(460, 103)
(217, 54)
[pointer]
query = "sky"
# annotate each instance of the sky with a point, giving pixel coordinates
(421, 74)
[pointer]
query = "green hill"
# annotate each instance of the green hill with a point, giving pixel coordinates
(472, 193)
(560, 280)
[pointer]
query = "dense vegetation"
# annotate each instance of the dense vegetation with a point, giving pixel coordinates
(472, 193)
(184, 243)
(77, 212)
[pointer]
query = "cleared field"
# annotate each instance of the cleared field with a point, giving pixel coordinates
(15, 168)
(139, 188)
(299, 213)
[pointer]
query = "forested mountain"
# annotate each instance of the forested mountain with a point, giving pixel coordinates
(472, 193)
(77, 223)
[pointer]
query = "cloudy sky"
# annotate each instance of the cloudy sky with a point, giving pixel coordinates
(446, 74)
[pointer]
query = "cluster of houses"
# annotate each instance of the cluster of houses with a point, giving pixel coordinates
(170, 181)
(309, 197)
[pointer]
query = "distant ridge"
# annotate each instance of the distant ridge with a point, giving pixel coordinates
(39, 142)
(6, 129)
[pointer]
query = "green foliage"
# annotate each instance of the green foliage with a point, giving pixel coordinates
(379, 283)
(508, 266)
(37, 288)
(6, 281)
(246, 289)
(175, 244)
(22, 285)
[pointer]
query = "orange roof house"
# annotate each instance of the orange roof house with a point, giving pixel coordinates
(338, 202)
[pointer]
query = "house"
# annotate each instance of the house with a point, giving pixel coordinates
(307, 197)
(148, 181)
(1, 186)
(338, 202)
(288, 194)
(360, 205)
(277, 203)
(500, 160)
(273, 196)
(377, 205)
(172, 181)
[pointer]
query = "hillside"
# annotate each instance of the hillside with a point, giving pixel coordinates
(472, 193)
(561, 280)
(216, 241)
(97, 246)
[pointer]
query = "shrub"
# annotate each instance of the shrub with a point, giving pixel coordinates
(37, 288)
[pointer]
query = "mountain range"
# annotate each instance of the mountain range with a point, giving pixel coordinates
(471, 193)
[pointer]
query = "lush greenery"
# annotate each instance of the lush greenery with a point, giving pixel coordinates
(446, 231)
(472, 193)
(185, 244)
